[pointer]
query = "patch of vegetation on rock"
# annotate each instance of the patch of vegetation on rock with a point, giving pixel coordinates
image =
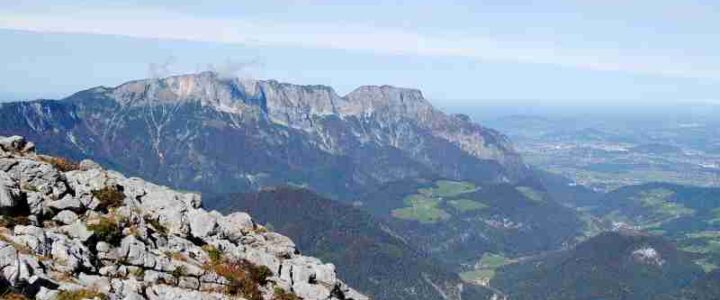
(61, 164)
(281, 294)
(179, 272)
(213, 253)
(11, 222)
(139, 273)
(81, 294)
(109, 197)
(244, 278)
(106, 229)
(13, 296)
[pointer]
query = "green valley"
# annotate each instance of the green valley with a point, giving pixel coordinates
(425, 205)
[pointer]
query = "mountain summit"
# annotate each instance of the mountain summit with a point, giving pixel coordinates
(210, 133)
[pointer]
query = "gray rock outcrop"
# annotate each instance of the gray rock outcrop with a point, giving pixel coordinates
(94, 231)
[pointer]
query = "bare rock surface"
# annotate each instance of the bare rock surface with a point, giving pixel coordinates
(77, 229)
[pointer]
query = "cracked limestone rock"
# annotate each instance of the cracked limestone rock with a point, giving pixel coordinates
(90, 229)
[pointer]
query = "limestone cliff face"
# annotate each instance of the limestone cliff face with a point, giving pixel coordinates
(79, 230)
(296, 106)
(205, 132)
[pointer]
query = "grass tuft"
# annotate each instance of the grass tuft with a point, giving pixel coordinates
(281, 294)
(179, 272)
(244, 277)
(109, 197)
(81, 294)
(214, 253)
(107, 229)
(61, 164)
(139, 273)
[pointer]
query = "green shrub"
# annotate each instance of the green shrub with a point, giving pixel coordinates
(280, 294)
(139, 273)
(107, 229)
(109, 197)
(179, 271)
(80, 295)
(214, 253)
(260, 273)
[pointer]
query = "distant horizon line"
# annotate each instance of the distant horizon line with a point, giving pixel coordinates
(5, 97)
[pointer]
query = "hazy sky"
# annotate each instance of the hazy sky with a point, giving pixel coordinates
(455, 51)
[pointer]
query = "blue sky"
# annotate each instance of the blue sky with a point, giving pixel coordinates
(457, 52)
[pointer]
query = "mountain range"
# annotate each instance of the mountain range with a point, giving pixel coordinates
(209, 133)
(406, 201)
(226, 136)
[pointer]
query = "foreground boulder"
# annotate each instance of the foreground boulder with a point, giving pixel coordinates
(76, 230)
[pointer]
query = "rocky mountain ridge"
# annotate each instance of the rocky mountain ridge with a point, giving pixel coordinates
(77, 230)
(209, 133)
(296, 106)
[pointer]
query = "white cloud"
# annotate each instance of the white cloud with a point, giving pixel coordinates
(162, 25)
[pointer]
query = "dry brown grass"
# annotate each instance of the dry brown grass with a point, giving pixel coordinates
(61, 164)
(243, 276)
(11, 222)
(178, 256)
(62, 277)
(13, 296)
(109, 197)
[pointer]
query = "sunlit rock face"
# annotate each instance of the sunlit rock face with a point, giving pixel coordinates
(73, 231)
(211, 133)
